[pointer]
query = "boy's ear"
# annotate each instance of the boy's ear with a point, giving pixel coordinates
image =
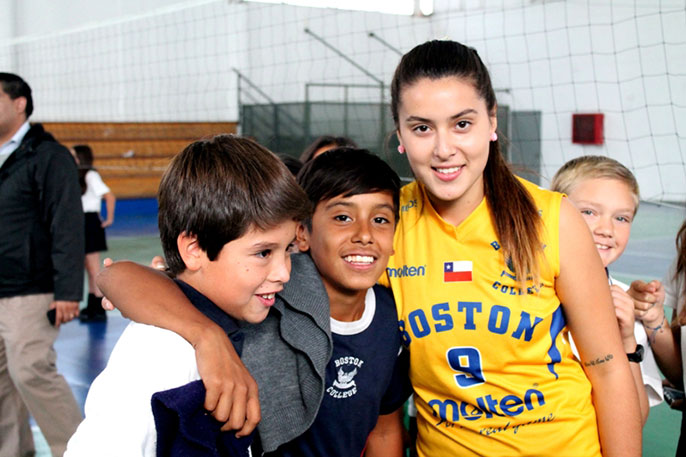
(190, 251)
(302, 235)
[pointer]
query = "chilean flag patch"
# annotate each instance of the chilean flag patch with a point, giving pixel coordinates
(460, 271)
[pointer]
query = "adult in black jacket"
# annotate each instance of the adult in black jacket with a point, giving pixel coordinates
(41, 268)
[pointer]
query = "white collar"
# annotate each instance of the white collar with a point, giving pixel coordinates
(360, 325)
(18, 136)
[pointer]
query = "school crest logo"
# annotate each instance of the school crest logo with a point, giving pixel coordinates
(344, 386)
(345, 380)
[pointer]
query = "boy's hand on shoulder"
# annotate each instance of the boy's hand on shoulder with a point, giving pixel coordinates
(648, 298)
(232, 394)
(158, 263)
(106, 304)
(624, 310)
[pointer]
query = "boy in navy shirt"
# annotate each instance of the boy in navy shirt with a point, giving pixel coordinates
(350, 238)
(229, 258)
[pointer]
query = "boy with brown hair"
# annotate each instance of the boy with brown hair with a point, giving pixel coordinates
(228, 211)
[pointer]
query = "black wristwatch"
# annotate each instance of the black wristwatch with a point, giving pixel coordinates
(637, 355)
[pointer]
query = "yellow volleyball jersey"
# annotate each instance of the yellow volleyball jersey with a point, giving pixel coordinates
(491, 367)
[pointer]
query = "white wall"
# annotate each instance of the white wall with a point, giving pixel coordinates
(161, 60)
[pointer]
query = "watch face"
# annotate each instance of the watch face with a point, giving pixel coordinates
(636, 356)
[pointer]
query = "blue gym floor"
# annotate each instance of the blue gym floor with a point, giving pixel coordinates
(83, 349)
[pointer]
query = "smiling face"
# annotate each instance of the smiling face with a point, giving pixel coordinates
(350, 241)
(608, 206)
(445, 128)
(247, 274)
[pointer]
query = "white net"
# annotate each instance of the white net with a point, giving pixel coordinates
(287, 74)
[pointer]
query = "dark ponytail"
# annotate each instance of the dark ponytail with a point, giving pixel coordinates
(513, 212)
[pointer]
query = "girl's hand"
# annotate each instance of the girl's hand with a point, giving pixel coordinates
(648, 301)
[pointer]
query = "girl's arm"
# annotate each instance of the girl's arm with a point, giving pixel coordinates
(386, 439)
(231, 391)
(110, 201)
(582, 289)
(664, 339)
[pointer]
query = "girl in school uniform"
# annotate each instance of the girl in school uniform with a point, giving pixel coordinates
(93, 190)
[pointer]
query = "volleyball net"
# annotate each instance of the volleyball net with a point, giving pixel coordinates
(287, 74)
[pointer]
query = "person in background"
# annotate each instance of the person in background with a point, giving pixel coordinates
(41, 271)
(293, 164)
(323, 144)
(668, 341)
(607, 196)
(93, 190)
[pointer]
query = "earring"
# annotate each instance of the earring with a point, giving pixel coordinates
(401, 149)
(494, 136)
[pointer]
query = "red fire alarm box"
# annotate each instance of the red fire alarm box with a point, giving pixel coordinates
(587, 128)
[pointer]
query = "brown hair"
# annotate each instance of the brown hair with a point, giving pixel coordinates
(219, 188)
(84, 155)
(513, 212)
(347, 172)
(594, 167)
(325, 141)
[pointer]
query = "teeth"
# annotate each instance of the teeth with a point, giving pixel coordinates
(446, 171)
(359, 259)
(267, 296)
(602, 247)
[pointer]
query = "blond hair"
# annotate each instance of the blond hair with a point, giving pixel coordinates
(594, 167)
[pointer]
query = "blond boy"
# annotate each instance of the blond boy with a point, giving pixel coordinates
(607, 195)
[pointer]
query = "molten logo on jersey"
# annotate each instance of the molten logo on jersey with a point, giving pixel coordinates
(406, 271)
(460, 271)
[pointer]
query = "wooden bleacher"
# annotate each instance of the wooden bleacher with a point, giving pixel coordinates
(131, 156)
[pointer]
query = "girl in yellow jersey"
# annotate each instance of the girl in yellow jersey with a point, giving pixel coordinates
(489, 274)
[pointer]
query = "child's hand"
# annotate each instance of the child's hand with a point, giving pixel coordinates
(232, 394)
(648, 298)
(105, 303)
(158, 263)
(624, 310)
